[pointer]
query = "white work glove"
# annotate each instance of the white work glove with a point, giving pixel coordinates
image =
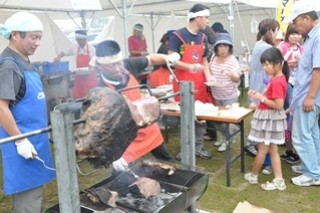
(26, 149)
(120, 165)
(173, 58)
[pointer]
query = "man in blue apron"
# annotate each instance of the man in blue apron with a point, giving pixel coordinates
(23, 109)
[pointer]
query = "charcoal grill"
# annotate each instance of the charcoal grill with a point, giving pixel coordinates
(178, 192)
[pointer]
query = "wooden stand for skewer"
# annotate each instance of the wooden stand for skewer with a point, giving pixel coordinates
(65, 161)
(187, 139)
(187, 129)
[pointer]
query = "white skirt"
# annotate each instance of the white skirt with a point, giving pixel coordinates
(268, 126)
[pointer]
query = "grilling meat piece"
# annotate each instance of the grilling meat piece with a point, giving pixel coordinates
(102, 195)
(108, 130)
(147, 186)
(159, 166)
(145, 111)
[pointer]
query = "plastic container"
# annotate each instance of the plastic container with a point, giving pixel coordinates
(52, 68)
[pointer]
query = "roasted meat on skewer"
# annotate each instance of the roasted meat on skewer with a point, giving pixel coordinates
(102, 195)
(160, 166)
(147, 186)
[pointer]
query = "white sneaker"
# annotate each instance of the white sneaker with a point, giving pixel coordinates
(251, 178)
(303, 180)
(297, 169)
(232, 140)
(275, 184)
(218, 143)
(221, 141)
(222, 147)
(267, 170)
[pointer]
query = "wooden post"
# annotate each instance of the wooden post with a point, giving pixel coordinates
(187, 139)
(65, 160)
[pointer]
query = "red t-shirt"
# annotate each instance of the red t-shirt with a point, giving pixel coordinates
(276, 89)
(135, 43)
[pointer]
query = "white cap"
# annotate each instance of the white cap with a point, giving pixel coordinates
(298, 8)
(22, 22)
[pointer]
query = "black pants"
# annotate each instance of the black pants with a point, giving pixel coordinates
(161, 153)
(212, 133)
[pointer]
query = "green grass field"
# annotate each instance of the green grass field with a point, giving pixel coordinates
(218, 197)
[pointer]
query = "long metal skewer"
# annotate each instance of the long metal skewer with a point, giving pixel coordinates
(32, 133)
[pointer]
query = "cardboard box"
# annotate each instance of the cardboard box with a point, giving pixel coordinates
(246, 207)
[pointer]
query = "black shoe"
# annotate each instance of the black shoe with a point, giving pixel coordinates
(251, 150)
(209, 137)
(293, 159)
(286, 155)
(203, 153)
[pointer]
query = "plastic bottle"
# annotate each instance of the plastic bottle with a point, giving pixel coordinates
(245, 69)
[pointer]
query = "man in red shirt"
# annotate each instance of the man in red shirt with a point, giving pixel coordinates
(138, 47)
(137, 42)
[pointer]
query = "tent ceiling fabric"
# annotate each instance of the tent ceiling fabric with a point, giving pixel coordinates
(179, 7)
(52, 5)
(272, 3)
(144, 11)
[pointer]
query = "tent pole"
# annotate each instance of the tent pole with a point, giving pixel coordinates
(124, 16)
(83, 20)
(231, 19)
(152, 28)
(125, 26)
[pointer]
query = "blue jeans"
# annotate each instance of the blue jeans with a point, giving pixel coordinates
(267, 160)
(305, 139)
(288, 96)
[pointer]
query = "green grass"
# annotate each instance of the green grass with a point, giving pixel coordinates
(218, 197)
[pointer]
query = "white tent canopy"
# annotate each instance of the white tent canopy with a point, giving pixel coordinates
(153, 14)
(53, 38)
(51, 5)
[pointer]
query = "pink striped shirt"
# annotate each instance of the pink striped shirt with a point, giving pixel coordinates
(227, 88)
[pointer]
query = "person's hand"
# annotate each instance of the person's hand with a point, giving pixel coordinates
(120, 165)
(26, 149)
(252, 105)
(293, 63)
(308, 104)
(255, 95)
(196, 68)
(212, 79)
(56, 59)
(143, 53)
